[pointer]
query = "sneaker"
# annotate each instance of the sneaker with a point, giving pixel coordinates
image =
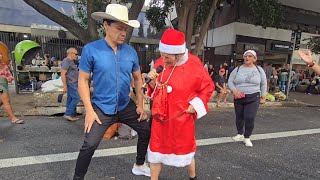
(141, 170)
(247, 142)
(238, 137)
(70, 118)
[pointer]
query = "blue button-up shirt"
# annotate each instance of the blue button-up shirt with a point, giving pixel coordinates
(111, 74)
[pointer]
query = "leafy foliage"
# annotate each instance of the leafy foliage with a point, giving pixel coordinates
(265, 13)
(202, 12)
(157, 13)
(100, 5)
(81, 10)
(314, 44)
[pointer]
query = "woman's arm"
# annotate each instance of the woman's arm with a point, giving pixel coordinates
(307, 58)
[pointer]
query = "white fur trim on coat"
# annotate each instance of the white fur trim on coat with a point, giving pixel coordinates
(172, 49)
(170, 159)
(184, 58)
(198, 106)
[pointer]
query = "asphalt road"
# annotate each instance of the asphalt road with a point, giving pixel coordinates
(294, 157)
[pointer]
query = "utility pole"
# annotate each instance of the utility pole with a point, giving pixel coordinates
(295, 45)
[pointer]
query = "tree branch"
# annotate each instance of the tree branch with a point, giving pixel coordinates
(204, 28)
(58, 17)
(133, 15)
(190, 23)
(182, 19)
(92, 24)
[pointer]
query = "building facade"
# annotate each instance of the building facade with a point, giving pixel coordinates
(233, 34)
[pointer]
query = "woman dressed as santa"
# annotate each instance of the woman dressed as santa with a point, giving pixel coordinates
(180, 95)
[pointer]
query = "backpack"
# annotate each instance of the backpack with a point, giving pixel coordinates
(238, 67)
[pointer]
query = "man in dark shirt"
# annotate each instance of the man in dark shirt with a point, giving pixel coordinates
(212, 72)
(69, 76)
(221, 86)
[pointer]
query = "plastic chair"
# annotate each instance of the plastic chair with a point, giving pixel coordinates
(25, 82)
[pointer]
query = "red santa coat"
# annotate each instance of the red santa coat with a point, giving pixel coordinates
(173, 142)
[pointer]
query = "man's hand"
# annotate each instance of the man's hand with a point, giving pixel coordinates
(306, 57)
(89, 120)
(142, 114)
(190, 109)
(65, 89)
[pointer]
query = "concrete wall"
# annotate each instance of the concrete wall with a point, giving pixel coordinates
(225, 35)
(10, 28)
(221, 36)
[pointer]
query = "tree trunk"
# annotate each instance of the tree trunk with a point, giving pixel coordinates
(184, 9)
(133, 15)
(58, 17)
(190, 24)
(92, 24)
(204, 28)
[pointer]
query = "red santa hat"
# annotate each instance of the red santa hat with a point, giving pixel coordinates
(172, 42)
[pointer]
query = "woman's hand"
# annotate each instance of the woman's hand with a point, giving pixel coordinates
(236, 93)
(190, 109)
(306, 57)
(262, 100)
(153, 76)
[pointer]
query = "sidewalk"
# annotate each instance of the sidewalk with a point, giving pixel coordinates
(23, 104)
(296, 99)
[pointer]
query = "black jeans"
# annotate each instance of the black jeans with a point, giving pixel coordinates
(246, 110)
(92, 140)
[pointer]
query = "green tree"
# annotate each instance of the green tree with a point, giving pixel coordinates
(314, 44)
(187, 11)
(265, 13)
(195, 16)
(82, 25)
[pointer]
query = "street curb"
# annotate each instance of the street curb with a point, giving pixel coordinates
(49, 111)
(42, 111)
(294, 103)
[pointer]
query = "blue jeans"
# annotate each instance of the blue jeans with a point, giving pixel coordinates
(73, 99)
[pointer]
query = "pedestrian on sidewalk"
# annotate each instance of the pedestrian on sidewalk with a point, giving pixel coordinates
(248, 83)
(307, 58)
(69, 77)
(111, 62)
(180, 95)
(5, 77)
(221, 87)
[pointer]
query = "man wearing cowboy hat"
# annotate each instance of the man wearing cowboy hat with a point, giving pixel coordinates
(112, 63)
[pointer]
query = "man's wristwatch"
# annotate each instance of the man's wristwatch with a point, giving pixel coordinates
(312, 64)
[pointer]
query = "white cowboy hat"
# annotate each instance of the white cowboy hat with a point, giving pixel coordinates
(116, 12)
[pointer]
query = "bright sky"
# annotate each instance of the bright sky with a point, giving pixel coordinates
(146, 2)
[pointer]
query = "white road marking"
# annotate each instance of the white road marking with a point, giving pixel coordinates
(50, 158)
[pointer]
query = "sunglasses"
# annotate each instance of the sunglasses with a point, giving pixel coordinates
(75, 54)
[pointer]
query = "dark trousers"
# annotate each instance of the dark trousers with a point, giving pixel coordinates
(246, 111)
(127, 116)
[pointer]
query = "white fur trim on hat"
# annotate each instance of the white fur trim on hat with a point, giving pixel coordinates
(252, 52)
(172, 49)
